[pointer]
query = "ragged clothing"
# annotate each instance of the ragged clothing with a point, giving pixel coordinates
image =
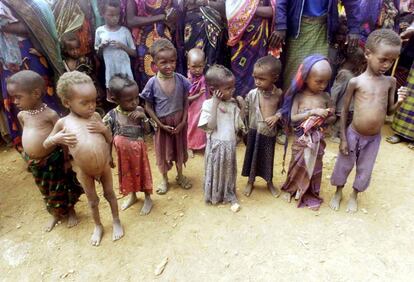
(304, 177)
(220, 171)
(261, 141)
(134, 169)
(362, 152)
(60, 190)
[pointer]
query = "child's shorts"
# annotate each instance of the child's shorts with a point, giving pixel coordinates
(363, 152)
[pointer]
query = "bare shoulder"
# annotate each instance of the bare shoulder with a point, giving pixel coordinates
(96, 116)
(21, 115)
(52, 114)
(279, 92)
(392, 81)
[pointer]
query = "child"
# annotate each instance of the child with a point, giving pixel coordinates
(196, 138)
(261, 114)
(220, 118)
(166, 102)
(89, 145)
(115, 43)
(373, 96)
(128, 124)
(56, 180)
(308, 107)
(72, 60)
(353, 65)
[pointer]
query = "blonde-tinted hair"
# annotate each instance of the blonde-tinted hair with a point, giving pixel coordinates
(67, 80)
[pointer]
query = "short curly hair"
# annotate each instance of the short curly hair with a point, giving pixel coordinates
(382, 36)
(118, 82)
(270, 63)
(160, 45)
(67, 80)
(216, 75)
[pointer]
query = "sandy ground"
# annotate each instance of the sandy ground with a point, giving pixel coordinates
(268, 240)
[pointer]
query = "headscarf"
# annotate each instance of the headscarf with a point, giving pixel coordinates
(297, 86)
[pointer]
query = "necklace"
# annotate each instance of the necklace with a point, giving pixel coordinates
(163, 76)
(37, 111)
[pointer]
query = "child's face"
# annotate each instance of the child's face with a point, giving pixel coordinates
(196, 66)
(319, 77)
(72, 48)
(83, 100)
(382, 58)
(340, 36)
(166, 62)
(128, 98)
(227, 88)
(111, 15)
(22, 99)
(263, 79)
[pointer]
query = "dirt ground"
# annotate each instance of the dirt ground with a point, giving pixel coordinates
(268, 240)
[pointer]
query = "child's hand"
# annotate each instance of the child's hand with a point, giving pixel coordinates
(272, 121)
(217, 93)
(321, 112)
(167, 128)
(104, 44)
(179, 128)
(97, 127)
(65, 138)
(402, 93)
(343, 147)
(117, 45)
(137, 115)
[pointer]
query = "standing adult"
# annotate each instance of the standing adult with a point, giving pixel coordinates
(309, 25)
(34, 24)
(204, 28)
(250, 26)
(403, 123)
(149, 20)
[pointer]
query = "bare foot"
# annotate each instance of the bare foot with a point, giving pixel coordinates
(128, 203)
(235, 207)
(162, 188)
(118, 231)
(146, 208)
(336, 200)
(190, 153)
(352, 204)
(275, 191)
(288, 197)
(97, 235)
(72, 218)
(51, 224)
(248, 189)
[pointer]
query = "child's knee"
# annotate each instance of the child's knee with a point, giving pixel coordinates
(93, 203)
(109, 196)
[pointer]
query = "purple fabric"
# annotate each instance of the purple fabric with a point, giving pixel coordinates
(163, 104)
(363, 152)
(315, 8)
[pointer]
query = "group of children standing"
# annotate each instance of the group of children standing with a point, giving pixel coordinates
(201, 113)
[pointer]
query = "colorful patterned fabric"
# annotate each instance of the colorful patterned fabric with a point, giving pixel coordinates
(313, 39)
(248, 37)
(70, 18)
(39, 65)
(196, 137)
(39, 20)
(203, 29)
(403, 123)
(304, 177)
(146, 35)
(60, 189)
(10, 56)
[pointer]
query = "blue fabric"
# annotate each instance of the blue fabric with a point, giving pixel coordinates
(288, 16)
(315, 8)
